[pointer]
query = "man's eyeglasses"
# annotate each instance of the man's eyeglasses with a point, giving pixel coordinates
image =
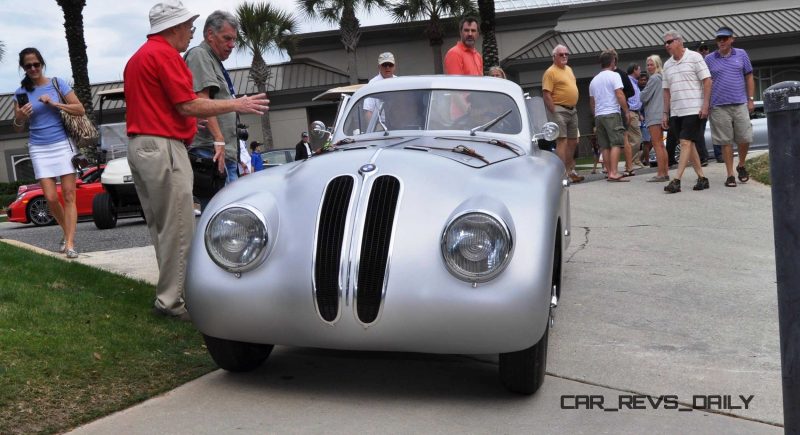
(669, 41)
(387, 65)
(192, 29)
(29, 66)
(562, 54)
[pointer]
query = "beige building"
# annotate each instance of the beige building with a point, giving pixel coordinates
(767, 29)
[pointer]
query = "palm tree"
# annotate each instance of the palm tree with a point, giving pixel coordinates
(490, 52)
(79, 61)
(342, 12)
(433, 11)
(263, 28)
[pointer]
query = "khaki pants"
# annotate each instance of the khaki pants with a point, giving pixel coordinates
(163, 178)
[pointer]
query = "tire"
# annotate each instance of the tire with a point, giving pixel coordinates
(39, 213)
(236, 356)
(523, 371)
(103, 212)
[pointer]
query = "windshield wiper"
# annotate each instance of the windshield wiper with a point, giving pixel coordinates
(489, 124)
(500, 143)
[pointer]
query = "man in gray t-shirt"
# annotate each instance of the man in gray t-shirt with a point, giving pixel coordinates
(211, 80)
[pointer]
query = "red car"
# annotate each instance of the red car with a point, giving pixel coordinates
(31, 206)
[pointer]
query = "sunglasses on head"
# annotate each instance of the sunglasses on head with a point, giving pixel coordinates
(33, 65)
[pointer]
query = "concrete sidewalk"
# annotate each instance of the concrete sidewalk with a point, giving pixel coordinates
(664, 295)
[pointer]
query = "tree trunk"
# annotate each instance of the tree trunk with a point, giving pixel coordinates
(351, 33)
(490, 50)
(436, 38)
(259, 72)
(79, 61)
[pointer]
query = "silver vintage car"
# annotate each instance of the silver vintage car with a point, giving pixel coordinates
(430, 222)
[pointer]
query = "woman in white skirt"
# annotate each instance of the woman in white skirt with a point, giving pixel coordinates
(49, 146)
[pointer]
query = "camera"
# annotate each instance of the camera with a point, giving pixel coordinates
(241, 132)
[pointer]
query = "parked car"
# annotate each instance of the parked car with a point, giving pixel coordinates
(277, 157)
(31, 205)
(121, 198)
(758, 119)
(434, 225)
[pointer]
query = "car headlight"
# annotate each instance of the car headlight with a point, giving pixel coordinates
(476, 246)
(550, 131)
(236, 238)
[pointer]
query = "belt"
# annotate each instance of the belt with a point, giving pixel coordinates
(567, 107)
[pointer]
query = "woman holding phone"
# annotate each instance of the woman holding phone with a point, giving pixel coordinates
(36, 107)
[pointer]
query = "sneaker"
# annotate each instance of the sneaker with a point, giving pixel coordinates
(62, 246)
(702, 183)
(704, 163)
(674, 186)
(658, 179)
(72, 253)
(744, 177)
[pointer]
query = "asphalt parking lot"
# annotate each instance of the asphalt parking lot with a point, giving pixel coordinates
(129, 233)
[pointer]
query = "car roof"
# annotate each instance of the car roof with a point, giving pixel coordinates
(472, 83)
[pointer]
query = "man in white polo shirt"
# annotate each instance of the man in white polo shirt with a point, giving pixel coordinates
(687, 92)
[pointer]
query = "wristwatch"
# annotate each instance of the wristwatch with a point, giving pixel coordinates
(750, 98)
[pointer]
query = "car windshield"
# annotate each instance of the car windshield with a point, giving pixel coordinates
(444, 109)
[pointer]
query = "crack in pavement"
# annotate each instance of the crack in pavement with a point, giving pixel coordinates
(582, 246)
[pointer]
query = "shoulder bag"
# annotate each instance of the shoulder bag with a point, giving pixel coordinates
(80, 129)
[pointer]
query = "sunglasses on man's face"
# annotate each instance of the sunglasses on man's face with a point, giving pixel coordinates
(669, 41)
(562, 54)
(29, 66)
(723, 38)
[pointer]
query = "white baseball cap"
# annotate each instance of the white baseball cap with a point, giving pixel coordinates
(386, 58)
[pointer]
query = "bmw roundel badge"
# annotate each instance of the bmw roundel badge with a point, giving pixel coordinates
(369, 167)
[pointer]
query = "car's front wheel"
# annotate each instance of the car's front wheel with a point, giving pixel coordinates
(523, 371)
(103, 212)
(39, 212)
(236, 356)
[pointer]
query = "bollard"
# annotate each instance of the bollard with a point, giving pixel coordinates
(782, 106)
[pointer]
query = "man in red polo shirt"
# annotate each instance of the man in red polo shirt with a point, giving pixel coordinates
(161, 107)
(463, 59)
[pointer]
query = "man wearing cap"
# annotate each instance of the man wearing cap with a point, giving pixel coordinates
(732, 94)
(386, 67)
(211, 80)
(463, 58)
(303, 150)
(161, 121)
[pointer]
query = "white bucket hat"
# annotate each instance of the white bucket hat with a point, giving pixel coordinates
(168, 14)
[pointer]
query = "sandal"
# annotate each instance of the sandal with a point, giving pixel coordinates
(744, 177)
(630, 173)
(730, 181)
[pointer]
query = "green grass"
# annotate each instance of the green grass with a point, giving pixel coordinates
(758, 167)
(77, 343)
(3, 218)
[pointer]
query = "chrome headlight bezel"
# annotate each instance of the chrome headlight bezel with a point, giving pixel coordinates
(259, 245)
(506, 255)
(550, 131)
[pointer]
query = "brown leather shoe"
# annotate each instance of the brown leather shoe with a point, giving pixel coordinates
(183, 317)
(575, 178)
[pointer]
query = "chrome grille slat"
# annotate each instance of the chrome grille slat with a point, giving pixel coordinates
(330, 234)
(375, 244)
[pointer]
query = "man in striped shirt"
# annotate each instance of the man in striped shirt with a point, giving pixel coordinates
(731, 101)
(687, 91)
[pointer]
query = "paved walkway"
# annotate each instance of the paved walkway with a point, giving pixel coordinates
(664, 295)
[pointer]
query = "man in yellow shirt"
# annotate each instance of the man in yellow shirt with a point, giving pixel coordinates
(560, 92)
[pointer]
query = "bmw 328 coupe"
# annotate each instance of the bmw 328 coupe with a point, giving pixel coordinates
(430, 222)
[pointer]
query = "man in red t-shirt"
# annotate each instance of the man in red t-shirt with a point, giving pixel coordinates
(463, 58)
(161, 107)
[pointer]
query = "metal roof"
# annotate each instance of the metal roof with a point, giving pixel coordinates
(516, 5)
(641, 36)
(299, 74)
